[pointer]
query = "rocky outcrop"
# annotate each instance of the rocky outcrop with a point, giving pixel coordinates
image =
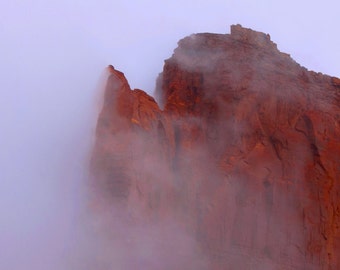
(244, 153)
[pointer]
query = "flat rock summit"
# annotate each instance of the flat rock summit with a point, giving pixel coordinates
(241, 151)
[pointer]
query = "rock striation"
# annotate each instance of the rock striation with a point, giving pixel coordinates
(243, 151)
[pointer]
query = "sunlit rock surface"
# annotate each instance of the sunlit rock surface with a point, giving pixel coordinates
(243, 152)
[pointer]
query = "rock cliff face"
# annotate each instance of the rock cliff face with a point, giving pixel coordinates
(243, 152)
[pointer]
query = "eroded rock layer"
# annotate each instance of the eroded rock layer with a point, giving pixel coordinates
(244, 153)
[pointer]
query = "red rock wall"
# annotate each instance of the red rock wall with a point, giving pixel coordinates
(245, 153)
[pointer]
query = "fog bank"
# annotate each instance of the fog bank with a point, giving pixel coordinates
(52, 59)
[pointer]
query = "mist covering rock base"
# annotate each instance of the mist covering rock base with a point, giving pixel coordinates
(241, 156)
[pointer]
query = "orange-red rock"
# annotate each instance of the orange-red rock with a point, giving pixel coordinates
(244, 154)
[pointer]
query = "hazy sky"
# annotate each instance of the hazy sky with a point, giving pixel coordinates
(52, 54)
(79, 37)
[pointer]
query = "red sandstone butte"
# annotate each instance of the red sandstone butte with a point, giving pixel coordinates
(243, 151)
